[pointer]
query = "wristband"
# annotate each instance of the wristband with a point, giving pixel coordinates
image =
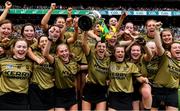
(50, 39)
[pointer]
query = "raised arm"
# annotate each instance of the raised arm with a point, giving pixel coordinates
(120, 21)
(129, 38)
(92, 35)
(8, 6)
(85, 45)
(148, 54)
(125, 43)
(129, 46)
(51, 39)
(69, 10)
(46, 50)
(32, 56)
(74, 38)
(45, 19)
(157, 39)
(69, 20)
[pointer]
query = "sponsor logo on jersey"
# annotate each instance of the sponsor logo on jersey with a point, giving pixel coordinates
(17, 74)
(9, 66)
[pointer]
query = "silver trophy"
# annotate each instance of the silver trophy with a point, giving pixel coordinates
(86, 22)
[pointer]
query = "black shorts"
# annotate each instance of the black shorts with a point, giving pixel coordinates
(94, 93)
(120, 100)
(65, 98)
(14, 101)
(41, 99)
(136, 94)
(166, 95)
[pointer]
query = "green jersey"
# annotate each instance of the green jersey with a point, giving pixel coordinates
(91, 42)
(137, 62)
(65, 73)
(68, 35)
(140, 66)
(110, 49)
(97, 69)
(152, 68)
(120, 75)
(168, 74)
(33, 43)
(76, 48)
(15, 75)
(148, 38)
(42, 74)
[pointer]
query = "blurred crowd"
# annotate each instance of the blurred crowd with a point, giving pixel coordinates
(81, 7)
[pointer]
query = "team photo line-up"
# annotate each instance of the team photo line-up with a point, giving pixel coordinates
(81, 63)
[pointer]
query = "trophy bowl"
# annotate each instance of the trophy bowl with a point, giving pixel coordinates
(86, 22)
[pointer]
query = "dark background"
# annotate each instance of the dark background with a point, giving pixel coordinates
(168, 21)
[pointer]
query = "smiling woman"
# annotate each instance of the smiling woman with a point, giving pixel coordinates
(121, 73)
(41, 93)
(167, 37)
(6, 29)
(20, 49)
(95, 89)
(14, 80)
(66, 69)
(28, 32)
(166, 81)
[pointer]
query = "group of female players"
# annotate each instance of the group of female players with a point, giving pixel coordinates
(67, 66)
